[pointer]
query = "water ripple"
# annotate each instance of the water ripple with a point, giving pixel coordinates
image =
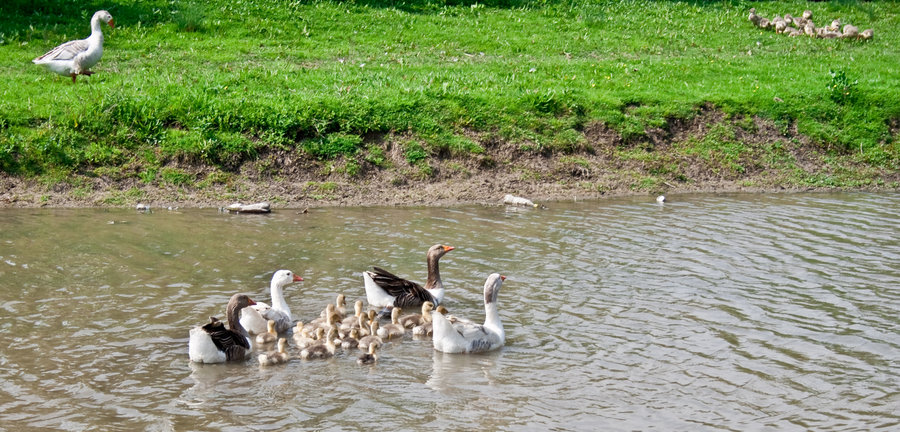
(711, 312)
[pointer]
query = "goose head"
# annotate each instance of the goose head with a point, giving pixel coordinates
(427, 307)
(104, 16)
(282, 278)
(492, 287)
(358, 308)
(282, 345)
(395, 315)
(239, 301)
(438, 251)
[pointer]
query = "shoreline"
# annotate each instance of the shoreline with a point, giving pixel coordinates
(30, 194)
(603, 166)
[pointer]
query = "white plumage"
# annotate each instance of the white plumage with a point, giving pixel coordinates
(468, 337)
(76, 57)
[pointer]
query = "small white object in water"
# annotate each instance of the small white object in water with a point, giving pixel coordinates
(262, 207)
(142, 207)
(661, 199)
(514, 200)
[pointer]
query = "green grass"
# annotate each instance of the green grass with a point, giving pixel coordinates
(220, 82)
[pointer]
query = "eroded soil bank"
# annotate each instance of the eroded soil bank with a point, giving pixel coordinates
(708, 153)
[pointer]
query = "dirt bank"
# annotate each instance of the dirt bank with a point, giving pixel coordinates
(705, 154)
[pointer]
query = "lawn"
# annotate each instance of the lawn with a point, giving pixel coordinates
(221, 82)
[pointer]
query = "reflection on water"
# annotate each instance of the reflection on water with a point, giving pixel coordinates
(707, 312)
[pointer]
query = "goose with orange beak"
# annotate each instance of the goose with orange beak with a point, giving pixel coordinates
(386, 290)
(76, 57)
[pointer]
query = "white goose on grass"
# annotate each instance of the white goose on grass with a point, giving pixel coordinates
(468, 337)
(213, 343)
(76, 57)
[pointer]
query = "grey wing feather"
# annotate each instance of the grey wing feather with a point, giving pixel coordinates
(66, 51)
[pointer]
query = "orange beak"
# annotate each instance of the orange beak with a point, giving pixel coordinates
(502, 277)
(112, 23)
(251, 302)
(448, 248)
(297, 278)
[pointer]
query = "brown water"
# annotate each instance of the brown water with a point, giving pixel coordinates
(711, 312)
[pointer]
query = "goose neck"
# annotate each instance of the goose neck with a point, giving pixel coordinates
(234, 322)
(278, 301)
(492, 317)
(434, 273)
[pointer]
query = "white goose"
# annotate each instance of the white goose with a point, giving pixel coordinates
(386, 290)
(213, 343)
(78, 56)
(280, 311)
(467, 337)
(252, 318)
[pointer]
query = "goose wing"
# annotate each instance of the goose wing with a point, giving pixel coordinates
(66, 51)
(283, 322)
(393, 284)
(406, 292)
(230, 342)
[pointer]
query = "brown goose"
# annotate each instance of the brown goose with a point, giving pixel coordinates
(384, 289)
(213, 343)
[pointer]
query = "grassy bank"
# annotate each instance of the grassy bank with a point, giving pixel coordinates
(221, 84)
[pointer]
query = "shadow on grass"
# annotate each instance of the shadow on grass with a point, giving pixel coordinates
(37, 19)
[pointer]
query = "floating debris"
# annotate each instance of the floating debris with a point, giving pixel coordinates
(141, 207)
(661, 199)
(518, 201)
(262, 207)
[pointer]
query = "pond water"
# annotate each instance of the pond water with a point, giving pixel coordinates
(709, 312)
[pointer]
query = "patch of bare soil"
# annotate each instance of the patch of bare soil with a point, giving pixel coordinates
(669, 161)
